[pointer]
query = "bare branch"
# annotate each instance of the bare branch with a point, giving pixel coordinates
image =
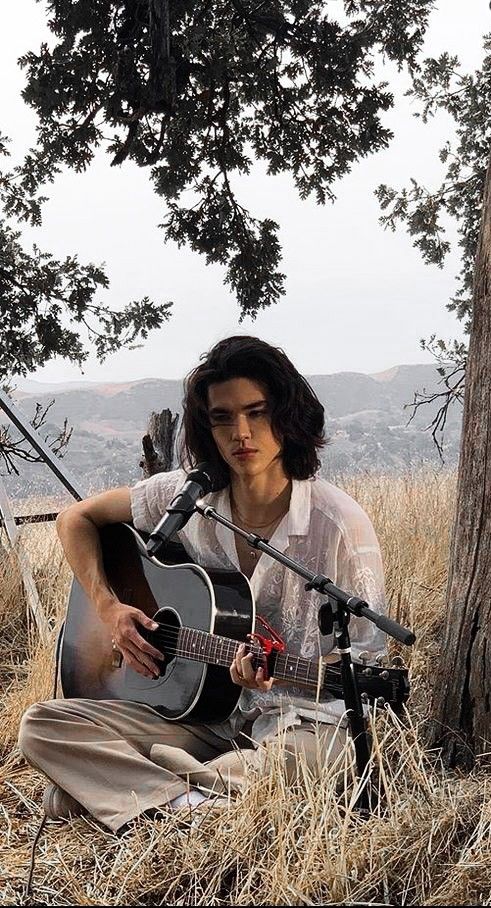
(14, 448)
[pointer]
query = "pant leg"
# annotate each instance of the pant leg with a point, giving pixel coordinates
(319, 744)
(98, 751)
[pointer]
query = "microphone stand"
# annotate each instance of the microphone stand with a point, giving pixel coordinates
(333, 615)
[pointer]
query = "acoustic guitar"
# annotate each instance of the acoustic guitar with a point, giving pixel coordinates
(203, 615)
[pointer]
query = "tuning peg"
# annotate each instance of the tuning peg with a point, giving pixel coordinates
(380, 702)
(397, 662)
(381, 659)
(364, 657)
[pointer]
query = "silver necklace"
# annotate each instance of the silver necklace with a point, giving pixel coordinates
(254, 553)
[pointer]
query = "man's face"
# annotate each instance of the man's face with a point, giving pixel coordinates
(240, 422)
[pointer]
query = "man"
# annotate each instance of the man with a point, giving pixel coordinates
(249, 413)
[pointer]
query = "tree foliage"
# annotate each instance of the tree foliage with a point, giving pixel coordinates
(196, 90)
(45, 302)
(441, 85)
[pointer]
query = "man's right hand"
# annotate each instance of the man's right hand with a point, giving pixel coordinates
(78, 528)
(123, 621)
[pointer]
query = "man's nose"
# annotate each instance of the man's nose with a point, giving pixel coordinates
(241, 428)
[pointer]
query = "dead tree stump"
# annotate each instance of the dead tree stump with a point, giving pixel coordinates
(158, 443)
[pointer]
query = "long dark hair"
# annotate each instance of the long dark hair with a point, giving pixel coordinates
(297, 415)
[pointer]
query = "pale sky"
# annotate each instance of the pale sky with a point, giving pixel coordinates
(358, 298)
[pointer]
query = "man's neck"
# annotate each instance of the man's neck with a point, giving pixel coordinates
(259, 499)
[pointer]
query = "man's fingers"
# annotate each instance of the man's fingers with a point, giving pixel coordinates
(151, 625)
(142, 644)
(135, 663)
(143, 619)
(246, 669)
(144, 660)
(235, 668)
(261, 682)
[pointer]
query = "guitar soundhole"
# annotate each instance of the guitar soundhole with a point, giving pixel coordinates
(165, 639)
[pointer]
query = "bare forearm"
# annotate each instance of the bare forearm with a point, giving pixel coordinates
(78, 529)
(79, 537)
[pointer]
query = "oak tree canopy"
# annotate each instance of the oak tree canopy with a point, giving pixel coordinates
(196, 91)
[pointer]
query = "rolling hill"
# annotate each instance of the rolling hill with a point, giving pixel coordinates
(367, 422)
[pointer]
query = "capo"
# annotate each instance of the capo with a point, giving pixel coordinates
(268, 644)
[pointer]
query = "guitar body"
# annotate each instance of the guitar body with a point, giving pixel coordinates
(180, 595)
(202, 615)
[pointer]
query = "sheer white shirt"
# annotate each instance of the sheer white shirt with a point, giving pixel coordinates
(329, 533)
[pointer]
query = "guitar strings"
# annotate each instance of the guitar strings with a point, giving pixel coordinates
(304, 670)
(169, 634)
(228, 649)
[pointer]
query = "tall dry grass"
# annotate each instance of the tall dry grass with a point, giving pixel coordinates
(428, 841)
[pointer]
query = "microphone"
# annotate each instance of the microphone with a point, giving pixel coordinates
(199, 482)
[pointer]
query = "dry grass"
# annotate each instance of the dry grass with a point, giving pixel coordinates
(428, 842)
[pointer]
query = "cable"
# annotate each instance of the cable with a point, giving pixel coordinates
(33, 855)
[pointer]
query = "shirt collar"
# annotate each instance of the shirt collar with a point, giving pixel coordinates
(299, 512)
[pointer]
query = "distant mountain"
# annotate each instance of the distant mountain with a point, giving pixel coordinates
(366, 419)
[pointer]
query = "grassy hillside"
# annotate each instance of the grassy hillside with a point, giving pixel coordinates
(427, 843)
(367, 424)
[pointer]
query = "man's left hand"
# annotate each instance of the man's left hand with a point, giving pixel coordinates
(242, 672)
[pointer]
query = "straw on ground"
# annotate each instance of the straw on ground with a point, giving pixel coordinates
(428, 842)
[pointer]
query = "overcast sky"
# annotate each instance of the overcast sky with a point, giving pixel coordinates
(358, 298)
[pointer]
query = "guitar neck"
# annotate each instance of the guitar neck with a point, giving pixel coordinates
(391, 685)
(200, 646)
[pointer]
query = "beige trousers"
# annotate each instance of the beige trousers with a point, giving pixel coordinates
(119, 758)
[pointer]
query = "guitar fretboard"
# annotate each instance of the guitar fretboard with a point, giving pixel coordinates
(200, 646)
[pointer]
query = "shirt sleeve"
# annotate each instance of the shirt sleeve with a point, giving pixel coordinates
(360, 572)
(150, 498)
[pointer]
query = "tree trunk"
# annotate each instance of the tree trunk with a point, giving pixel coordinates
(162, 73)
(461, 714)
(158, 444)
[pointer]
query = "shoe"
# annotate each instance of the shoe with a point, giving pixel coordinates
(189, 816)
(59, 805)
(212, 807)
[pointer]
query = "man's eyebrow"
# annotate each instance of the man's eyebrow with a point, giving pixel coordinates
(256, 403)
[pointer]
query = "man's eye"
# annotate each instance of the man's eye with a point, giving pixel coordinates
(221, 419)
(257, 413)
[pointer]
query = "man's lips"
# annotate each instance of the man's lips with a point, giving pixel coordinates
(243, 452)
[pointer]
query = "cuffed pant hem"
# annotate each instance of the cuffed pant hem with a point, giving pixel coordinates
(157, 800)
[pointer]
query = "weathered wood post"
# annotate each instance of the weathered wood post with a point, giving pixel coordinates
(461, 709)
(32, 597)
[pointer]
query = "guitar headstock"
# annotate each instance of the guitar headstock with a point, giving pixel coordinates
(382, 682)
